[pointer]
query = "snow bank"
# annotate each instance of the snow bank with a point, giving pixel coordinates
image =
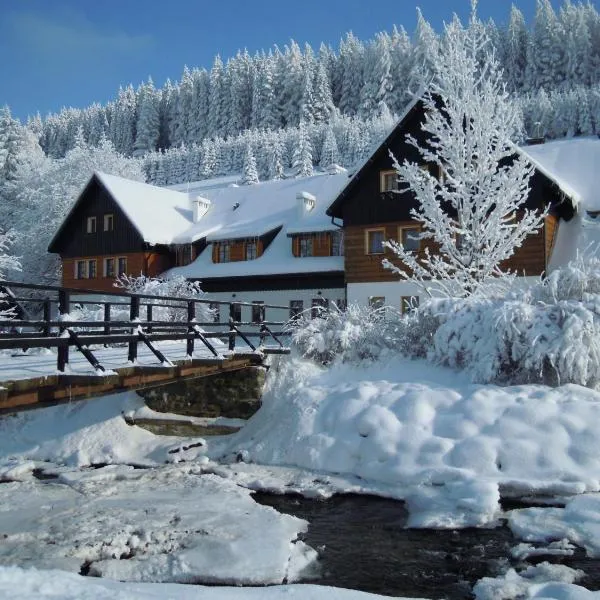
(426, 434)
(31, 584)
(80, 434)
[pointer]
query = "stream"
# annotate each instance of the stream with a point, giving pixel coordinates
(363, 545)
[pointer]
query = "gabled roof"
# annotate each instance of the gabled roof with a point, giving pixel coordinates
(156, 213)
(383, 147)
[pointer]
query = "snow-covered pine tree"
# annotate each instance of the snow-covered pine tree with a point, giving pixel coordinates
(577, 41)
(148, 123)
(470, 211)
(401, 68)
(351, 63)
(516, 42)
(302, 161)
(199, 118)
(275, 152)
(330, 155)
(218, 105)
(546, 57)
(249, 171)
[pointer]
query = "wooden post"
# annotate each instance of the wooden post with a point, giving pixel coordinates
(64, 307)
(232, 332)
(149, 308)
(107, 307)
(134, 315)
(191, 317)
(47, 317)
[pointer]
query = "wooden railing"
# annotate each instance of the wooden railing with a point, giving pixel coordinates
(43, 320)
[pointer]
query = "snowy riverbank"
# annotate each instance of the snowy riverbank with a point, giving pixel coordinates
(402, 429)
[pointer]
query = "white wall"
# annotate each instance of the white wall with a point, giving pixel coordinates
(276, 297)
(392, 291)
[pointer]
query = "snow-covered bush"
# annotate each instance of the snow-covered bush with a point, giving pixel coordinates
(176, 287)
(549, 334)
(356, 334)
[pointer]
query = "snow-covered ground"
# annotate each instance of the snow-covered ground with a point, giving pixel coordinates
(403, 429)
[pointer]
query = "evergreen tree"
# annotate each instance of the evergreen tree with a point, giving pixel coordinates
(302, 161)
(515, 51)
(275, 168)
(148, 121)
(249, 172)
(217, 100)
(329, 154)
(351, 58)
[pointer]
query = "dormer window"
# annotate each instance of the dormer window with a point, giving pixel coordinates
(91, 225)
(306, 246)
(251, 250)
(388, 181)
(109, 222)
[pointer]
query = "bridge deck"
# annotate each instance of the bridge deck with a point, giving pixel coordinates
(30, 380)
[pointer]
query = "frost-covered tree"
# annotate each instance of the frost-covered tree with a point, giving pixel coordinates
(302, 161)
(516, 42)
(148, 124)
(473, 213)
(249, 173)
(44, 191)
(329, 154)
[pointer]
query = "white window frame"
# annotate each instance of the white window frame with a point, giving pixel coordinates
(105, 266)
(408, 303)
(117, 264)
(109, 219)
(88, 273)
(388, 181)
(91, 225)
(76, 264)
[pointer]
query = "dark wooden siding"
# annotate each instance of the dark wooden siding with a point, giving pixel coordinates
(258, 283)
(529, 259)
(74, 241)
(551, 228)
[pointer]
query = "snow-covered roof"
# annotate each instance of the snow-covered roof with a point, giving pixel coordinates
(276, 260)
(253, 210)
(157, 213)
(573, 164)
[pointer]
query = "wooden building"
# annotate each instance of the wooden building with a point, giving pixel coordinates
(268, 243)
(373, 209)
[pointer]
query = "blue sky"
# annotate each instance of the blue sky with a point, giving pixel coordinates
(58, 53)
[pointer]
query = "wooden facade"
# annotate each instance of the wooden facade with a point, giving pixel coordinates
(320, 244)
(365, 204)
(236, 250)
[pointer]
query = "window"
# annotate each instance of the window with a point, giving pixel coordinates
(376, 302)
(91, 273)
(258, 311)
(183, 255)
(215, 307)
(109, 222)
(374, 241)
(408, 303)
(337, 243)
(296, 308)
(80, 269)
(434, 170)
(109, 267)
(122, 266)
(251, 250)
(91, 225)
(306, 246)
(235, 311)
(224, 252)
(409, 236)
(388, 181)
(318, 307)
(341, 304)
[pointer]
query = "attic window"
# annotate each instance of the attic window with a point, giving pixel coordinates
(109, 222)
(593, 214)
(388, 181)
(91, 225)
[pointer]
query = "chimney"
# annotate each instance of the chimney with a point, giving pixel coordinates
(305, 203)
(200, 207)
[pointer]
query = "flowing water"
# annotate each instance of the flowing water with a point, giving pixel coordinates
(363, 545)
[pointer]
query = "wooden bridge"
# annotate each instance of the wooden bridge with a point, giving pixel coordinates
(61, 344)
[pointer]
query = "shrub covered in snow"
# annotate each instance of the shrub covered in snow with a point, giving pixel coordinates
(175, 287)
(356, 334)
(548, 334)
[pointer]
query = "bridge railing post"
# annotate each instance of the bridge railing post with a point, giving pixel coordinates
(149, 315)
(191, 317)
(47, 317)
(64, 307)
(232, 332)
(134, 316)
